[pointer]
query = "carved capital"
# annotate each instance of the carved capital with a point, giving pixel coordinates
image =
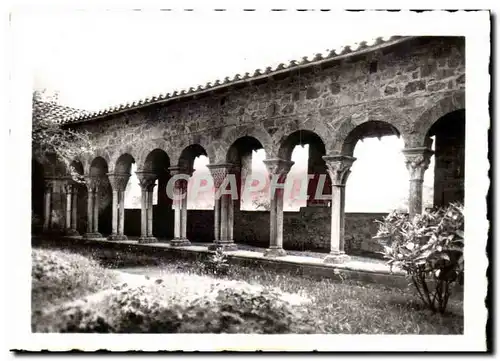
(118, 181)
(93, 182)
(338, 168)
(49, 185)
(70, 187)
(220, 171)
(278, 167)
(417, 161)
(146, 180)
(181, 183)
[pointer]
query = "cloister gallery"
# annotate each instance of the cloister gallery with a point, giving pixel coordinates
(411, 87)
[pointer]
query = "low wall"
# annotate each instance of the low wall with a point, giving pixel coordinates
(309, 230)
(306, 230)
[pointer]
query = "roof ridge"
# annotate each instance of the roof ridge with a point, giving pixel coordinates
(237, 78)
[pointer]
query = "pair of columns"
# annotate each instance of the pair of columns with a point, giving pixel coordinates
(94, 184)
(47, 203)
(223, 207)
(71, 189)
(338, 169)
(118, 182)
(147, 182)
(179, 205)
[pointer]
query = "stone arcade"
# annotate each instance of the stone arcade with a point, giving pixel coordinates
(413, 87)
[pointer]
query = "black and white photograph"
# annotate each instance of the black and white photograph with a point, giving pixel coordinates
(244, 180)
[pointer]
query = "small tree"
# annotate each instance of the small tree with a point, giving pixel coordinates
(50, 139)
(429, 249)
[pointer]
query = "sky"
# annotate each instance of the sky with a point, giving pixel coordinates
(96, 59)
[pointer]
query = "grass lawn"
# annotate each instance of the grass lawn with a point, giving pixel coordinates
(329, 307)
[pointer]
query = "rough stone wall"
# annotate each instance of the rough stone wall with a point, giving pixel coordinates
(409, 85)
(307, 230)
(413, 82)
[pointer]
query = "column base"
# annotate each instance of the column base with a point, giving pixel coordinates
(71, 232)
(117, 237)
(180, 242)
(148, 239)
(92, 235)
(335, 258)
(274, 252)
(226, 246)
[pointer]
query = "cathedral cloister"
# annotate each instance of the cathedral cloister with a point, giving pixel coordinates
(409, 87)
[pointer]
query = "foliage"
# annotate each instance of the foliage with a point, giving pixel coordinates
(429, 249)
(152, 309)
(217, 263)
(261, 203)
(171, 304)
(59, 275)
(50, 139)
(350, 307)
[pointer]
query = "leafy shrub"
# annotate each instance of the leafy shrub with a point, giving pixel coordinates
(217, 263)
(228, 307)
(60, 276)
(429, 249)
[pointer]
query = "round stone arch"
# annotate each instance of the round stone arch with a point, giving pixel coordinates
(188, 155)
(119, 152)
(98, 166)
(288, 142)
(256, 132)
(123, 164)
(149, 147)
(82, 161)
(99, 153)
(202, 141)
(384, 120)
(426, 120)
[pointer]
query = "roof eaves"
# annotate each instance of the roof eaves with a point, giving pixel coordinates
(346, 52)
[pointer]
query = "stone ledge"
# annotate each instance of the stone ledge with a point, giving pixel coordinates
(309, 266)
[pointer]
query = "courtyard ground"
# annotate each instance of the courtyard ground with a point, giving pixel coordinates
(309, 305)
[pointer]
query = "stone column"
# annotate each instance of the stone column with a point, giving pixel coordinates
(417, 162)
(74, 210)
(180, 207)
(90, 209)
(147, 183)
(339, 169)
(222, 212)
(216, 220)
(93, 183)
(121, 213)
(47, 200)
(278, 170)
(96, 211)
(70, 189)
(118, 183)
(150, 210)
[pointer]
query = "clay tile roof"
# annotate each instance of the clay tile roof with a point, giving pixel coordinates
(78, 116)
(56, 112)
